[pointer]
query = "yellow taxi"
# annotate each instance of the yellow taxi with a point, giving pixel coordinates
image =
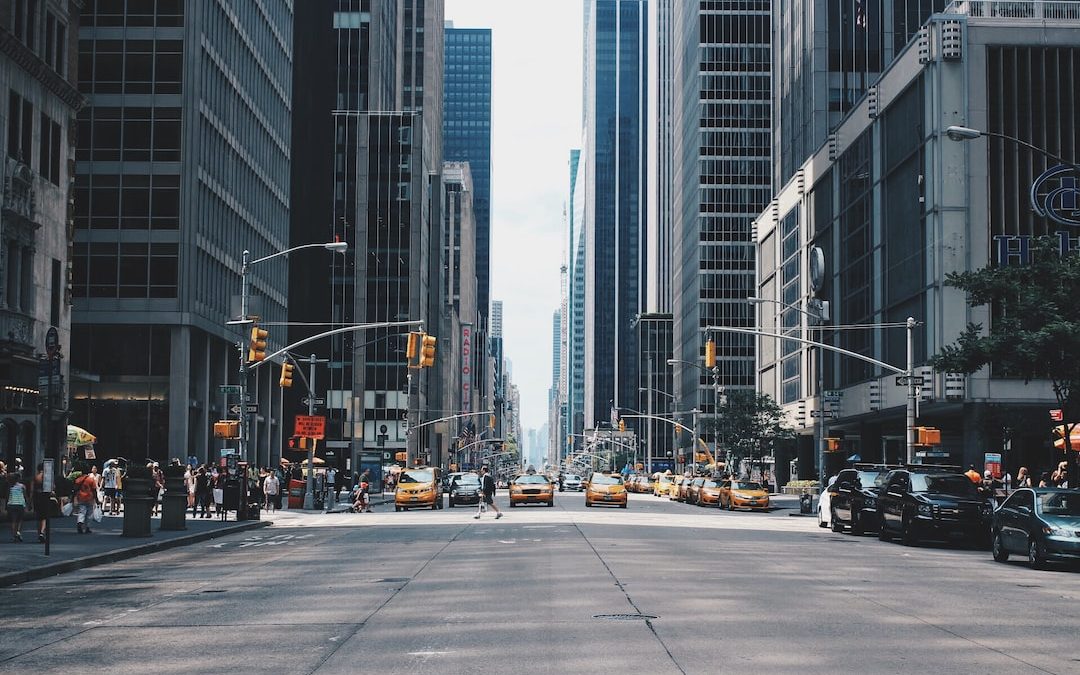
(532, 488)
(661, 485)
(706, 492)
(678, 489)
(743, 494)
(417, 488)
(606, 489)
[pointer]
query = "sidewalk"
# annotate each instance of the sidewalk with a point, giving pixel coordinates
(71, 551)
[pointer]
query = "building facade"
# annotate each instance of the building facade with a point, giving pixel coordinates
(38, 69)
(183, 163)
(722, 173)
(875, 220)
(461, 359)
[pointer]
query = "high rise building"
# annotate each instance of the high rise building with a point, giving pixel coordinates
(614, 109)
(660, 98)
(575, 328)
(38, 70)
(183, 164)
(372, 126)
(460, 316)
(721, 170)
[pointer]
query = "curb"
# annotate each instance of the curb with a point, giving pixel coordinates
(53, 569)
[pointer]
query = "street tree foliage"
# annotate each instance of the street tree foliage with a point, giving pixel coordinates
(1035, 332)
(748, 425)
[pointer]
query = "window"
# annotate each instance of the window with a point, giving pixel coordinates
(25, 21)
(49, 150)
(20, 128)
(55, 293)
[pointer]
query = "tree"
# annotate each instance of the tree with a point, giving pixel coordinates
(748, 424)
(1035, 332)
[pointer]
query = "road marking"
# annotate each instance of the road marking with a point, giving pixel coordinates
(427, 653)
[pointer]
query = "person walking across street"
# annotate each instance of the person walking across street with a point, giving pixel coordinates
(85, 499)
(16, 506)
(271, 489)
(487, 488)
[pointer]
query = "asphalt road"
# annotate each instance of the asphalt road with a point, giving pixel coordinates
(440, 592)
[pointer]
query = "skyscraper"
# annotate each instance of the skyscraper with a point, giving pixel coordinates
(614, 113)
(183, 163)
(575, 329)
(721, 167)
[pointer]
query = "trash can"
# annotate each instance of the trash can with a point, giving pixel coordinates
(296, 493)
(806, 504)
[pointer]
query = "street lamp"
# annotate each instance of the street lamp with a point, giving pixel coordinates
(715, 372)
(334, 246)
(821, 316)
(960, 134)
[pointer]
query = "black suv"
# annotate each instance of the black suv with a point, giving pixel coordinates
(854, 499)
(464, 489)
(933, 503)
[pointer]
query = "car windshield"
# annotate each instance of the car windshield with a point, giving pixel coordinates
(572, 477)
(711, 483)
(665, 479)
(744, 485)
(471, 478)
(530, 480)
(951, 484)
(871, 478)
(416, 476)
(1060, 504)
(601, 479)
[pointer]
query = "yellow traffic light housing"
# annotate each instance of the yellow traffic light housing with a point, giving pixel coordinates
(710, 354)
(286, 374)
(622, 425)
(412, 347)
(927, 436)
(427, 351)
(257, 344)
(832, 445)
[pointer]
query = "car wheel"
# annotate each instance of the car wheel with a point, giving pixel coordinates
(588, 504)
(883, 531)
(820, 521)
(623, 505)
(450, 503)
(907, 535)
(1001, 554)
(835, 524)
(730, 505)
(1036, 555)
(397, 508)
(551, 503)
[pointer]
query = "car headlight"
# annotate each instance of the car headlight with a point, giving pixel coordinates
(1056, 532)
(925, 510)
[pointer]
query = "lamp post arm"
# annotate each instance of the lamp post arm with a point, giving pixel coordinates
(664, 419)
(336, 331)
(1029, 146)
(286, 252)
(815, 343)
(454, 417)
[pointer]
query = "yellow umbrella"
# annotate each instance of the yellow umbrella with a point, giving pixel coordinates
(1074, 436)
(78, 436)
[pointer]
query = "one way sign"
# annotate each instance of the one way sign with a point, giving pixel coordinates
(250, 408)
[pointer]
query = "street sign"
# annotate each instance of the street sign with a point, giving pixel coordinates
(307, 400)
(250, 409)
(310, 426)
(229, 389)
(1057, 415)
(825, 413)
(992, 463)
(833, 394)
(902, 380)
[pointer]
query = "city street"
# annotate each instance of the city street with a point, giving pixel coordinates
(440, 592)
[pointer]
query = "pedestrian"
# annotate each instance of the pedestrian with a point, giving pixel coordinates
(97, 479)
(331, 482)
(159, 486)
(1044, 479)
(1060, 477)
(973, 474)
(108, 482)
(4, 488)
(487, 485)
(16, 506)
(1022, 478)
(43, 502)
(203, 493)
(85, 499)
(271, 491)
(189, 486)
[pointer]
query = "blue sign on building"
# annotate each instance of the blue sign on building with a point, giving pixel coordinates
(1055, 194)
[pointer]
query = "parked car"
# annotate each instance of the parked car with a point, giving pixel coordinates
(704, 492)
(743, 494)
(661, 485)
(573, 482)
(932, 503)
(677, 491)
(464, 489)
(853, 498)
(606, 489)
(1043, 523)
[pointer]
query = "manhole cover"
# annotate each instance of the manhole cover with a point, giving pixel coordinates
(111, 577)
(215, 590)
(392, 580)
(625, 617)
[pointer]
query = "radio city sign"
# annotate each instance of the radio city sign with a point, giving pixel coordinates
(1055, 195)
(466, 367)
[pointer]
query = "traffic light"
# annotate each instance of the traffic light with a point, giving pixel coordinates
(832, 445)
(710, 354)
(227, 429)
(286, 374)
(400, 456)
(622, 425)
(427, 351)
(491, 422)
(927, 436)
(412, 347)
(257, 344)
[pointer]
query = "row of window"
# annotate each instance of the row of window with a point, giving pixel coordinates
(127, 202)
(47, 38)
(21, 134)
(137, 134)
(133, 13)
(130, 66)
(124, 270)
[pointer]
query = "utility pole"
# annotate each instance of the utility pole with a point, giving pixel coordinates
(649, 447)
(309, 494)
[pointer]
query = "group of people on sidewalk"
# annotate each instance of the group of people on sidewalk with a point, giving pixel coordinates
(23, 493)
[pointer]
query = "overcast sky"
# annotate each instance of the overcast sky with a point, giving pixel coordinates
(536, 120)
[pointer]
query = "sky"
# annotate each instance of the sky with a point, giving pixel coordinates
(536, 120)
